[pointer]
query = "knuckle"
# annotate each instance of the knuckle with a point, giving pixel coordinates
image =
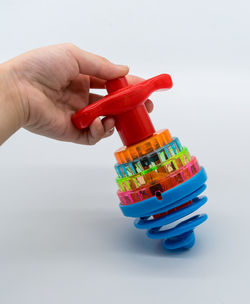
(69, 45)
(105, 60)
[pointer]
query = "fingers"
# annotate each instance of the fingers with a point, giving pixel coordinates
(99, 129)
(132, 79)
(97, 66)
(97, 83)
(149, 105)
(108, 124)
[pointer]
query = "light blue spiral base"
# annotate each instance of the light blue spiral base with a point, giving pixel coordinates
(181, 235)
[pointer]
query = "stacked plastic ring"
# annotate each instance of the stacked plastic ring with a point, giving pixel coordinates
(159, 183)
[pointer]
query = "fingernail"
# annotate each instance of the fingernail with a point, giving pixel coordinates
(124, 67)
(110, 131)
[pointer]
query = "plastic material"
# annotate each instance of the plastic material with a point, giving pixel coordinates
(148, 160)
(159, 181)
(140, 188)
(126, 104)
(181, 236)
(157, 140)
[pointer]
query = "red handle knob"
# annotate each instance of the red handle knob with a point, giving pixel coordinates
(126, 104)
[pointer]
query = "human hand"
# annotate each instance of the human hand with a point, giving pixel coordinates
(51, 83)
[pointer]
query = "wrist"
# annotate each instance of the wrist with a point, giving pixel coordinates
(11, 109)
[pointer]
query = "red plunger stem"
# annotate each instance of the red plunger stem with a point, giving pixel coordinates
(135, 125)
(126, 103)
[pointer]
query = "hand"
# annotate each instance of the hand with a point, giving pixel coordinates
(51, 83)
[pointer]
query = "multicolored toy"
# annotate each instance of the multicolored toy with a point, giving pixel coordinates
(159, 181)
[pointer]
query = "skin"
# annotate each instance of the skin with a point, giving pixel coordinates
(41, 89)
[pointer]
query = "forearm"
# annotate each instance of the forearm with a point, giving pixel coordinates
(10, 110)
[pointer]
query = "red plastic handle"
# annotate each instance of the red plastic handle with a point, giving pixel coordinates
(126, 104)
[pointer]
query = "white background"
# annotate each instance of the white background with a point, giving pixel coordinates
(63, 238)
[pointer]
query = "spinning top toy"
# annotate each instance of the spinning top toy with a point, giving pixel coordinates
(159, 181)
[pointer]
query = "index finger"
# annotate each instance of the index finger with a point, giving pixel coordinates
(94, 65)
(97, 83)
